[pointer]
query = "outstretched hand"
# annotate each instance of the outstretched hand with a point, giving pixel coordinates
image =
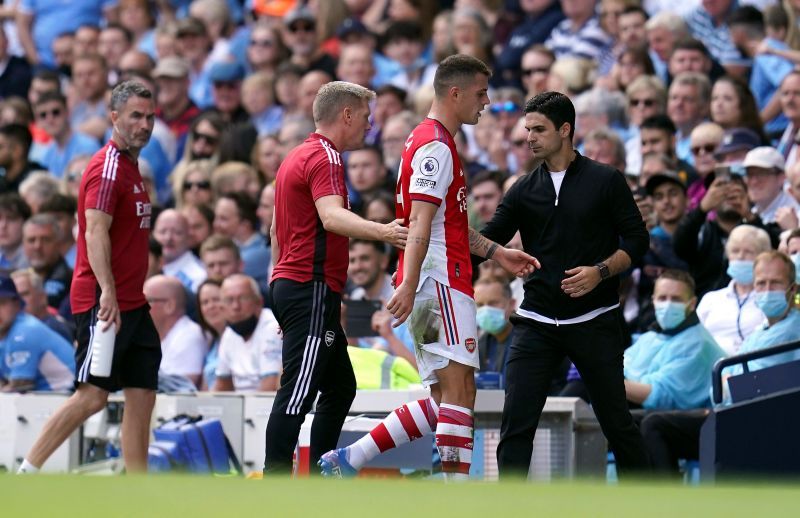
(516, 261)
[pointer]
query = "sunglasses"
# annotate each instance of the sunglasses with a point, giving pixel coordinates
(262, 43)
(705, 148)
(530, 71)
(301, 27)
(507, 107)
(202, 185)
(644, 102)
(210, 139)
(55, 112)
(229, 85)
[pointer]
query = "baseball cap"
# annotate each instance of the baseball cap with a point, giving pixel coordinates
(737, 139)
(171, 66)
(301, 13)
(766, 157)
(350, 26)
(8, 290)
(660, 178)
(225, 71)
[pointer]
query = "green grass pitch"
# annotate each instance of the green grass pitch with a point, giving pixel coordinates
(193, 496)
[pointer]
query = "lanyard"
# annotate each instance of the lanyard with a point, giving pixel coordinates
(739, 313)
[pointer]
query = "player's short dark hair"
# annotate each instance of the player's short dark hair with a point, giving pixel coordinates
(125, 90)
(245, 206)
(61, 204)
(50, 96)
(19, 134)
(496, 177)
(556, 106)
(692, 44)
(377, 245)
(12, 205)
(457, 70)
(680, 276)
(659, 122)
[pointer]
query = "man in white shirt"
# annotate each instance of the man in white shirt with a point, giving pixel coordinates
(183, 346)
(172, 233)
(250, 347)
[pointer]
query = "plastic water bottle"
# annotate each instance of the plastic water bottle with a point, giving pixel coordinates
(102, 349)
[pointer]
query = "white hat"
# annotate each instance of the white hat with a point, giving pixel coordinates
(765, 157)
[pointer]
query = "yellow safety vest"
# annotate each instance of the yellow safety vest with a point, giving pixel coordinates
(376, 369)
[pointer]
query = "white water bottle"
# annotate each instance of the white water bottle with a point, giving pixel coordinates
(102, 349)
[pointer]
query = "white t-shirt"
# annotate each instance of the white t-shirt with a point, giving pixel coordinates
(558, 178)
(729, 319)
(249, 361)
(183, 350)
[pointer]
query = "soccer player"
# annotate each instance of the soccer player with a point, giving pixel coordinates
(434, 290)
(310, 228)
(110, 268)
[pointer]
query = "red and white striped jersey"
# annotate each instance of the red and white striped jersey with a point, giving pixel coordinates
(430, 171)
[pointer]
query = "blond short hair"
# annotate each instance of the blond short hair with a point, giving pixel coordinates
(335, 96)
(774, 255)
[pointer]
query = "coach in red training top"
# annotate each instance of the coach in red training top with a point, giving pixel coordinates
(310, 232)
(110, 269)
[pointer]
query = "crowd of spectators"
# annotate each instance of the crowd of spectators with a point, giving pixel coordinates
(697, 103)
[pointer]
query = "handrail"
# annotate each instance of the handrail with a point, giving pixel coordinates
(716, 374)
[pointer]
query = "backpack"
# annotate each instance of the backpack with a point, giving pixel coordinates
(192, 444)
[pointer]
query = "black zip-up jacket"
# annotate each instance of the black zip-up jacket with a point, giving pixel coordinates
(593, 216)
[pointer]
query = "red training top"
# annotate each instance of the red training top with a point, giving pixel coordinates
(307, 251)
(112, 184)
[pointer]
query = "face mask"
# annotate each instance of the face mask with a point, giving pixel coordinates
(244, 328)
(670, 314)
(796, 261)
(491, 319)
(741, 272)
(772, 303)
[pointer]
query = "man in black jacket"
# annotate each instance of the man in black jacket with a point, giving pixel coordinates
(579, 218)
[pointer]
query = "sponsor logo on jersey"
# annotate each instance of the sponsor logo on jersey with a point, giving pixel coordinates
(329, 338)
(423, 182)
(470, 344)
(430, 166)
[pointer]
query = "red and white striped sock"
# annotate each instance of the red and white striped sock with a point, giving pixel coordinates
(454, 441)
(405, 424)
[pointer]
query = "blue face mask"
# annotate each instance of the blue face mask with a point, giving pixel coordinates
(772, 303)
(670, 314)
(491, 319)
(796, 261)
(741, 272)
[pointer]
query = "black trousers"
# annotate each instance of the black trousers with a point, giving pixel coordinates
(672, 435)
(314, 360)
(596, 348)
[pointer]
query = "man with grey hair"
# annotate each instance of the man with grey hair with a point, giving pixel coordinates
(598, 108)
(310, 251)
(605, 146)
(41, 244)
(114, 216)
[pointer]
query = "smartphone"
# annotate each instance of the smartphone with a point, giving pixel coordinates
(359, 317)
(722, 173)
